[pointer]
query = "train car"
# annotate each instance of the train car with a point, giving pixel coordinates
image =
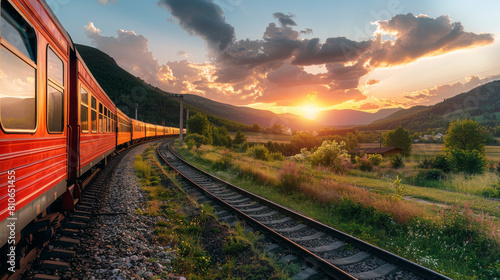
(93, 120)
(34, 52)
(124, 129)
(138, 130)
(150, 130)
(56, 122)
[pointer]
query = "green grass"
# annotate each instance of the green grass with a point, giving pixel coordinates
(419, 239)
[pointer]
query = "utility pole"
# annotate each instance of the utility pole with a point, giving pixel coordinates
(187, 118)
(181, 124)
(136, 107)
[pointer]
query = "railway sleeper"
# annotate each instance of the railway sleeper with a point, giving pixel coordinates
(326, 248)
(381, 271)
(308, 274)
(268, 214)
(309, 238)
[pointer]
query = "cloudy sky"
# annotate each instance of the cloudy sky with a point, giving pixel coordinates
(297, 56)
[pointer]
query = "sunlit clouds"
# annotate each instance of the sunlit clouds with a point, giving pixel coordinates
(276, 69)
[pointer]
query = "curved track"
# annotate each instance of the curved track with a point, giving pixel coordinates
(336, 254)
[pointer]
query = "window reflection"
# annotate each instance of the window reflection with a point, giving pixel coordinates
(17, 92)
(55, 120)
(55, 67)
(17, 32)
(84, 110)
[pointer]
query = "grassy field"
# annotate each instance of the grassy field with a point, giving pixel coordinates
(260, 137)
(445, 230)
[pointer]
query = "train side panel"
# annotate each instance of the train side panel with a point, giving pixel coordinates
(33, 112)
(124, 134)
(138, 130)
(96, 121)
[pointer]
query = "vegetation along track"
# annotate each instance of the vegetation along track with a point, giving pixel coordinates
(336, 254)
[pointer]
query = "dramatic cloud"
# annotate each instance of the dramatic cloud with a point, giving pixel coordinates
(203, 18)
(285, 20)
(130, 50)
(271, 69)
(339, 49)
(372, 82)
(416, 37)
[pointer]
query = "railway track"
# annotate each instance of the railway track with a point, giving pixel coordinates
(330, 253)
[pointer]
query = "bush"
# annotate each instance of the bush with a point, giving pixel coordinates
(290, 176)
(259, 152)
(190, 144)
(243, 147)
(197, 138)
(430, 175)
(470, 162)
(277, 156)
(364, 164)
(437, 162)
(329, 154)
(224, 162)
(493, 192)
(397, 161)
(375, 159)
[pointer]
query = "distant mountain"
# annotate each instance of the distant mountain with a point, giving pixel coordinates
(250, 116)
(481, 104)
(351, 117)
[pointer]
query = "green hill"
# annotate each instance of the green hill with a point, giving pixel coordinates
(481, 104)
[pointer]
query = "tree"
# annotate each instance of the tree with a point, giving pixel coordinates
(352, 141)
(465, 135)
(239, 138)
(199, 124)
(399, 138)
(464, 145)
(256, 127)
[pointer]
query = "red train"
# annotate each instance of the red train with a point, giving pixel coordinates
(56, 122)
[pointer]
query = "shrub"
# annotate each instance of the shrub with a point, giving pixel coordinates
(243, 147)
(290, 176)
(277, 156)
(470, 162)
(441, 162)
(375, 159)
(397, 161)
(259, 152)
(190, 144)
(493, 192)
(224, 162)
(364, 163)
(197, 138)
(329, 154)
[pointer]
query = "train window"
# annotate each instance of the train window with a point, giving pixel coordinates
(17, 100)
(105, 119)
(93, 114)
(55, 67)
(15, 30)
(84, 110)
(55, 109)
(18, 72)
(55, 92)
(101, 120)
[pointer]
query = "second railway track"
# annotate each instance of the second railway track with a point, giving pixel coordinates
(334, 254)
